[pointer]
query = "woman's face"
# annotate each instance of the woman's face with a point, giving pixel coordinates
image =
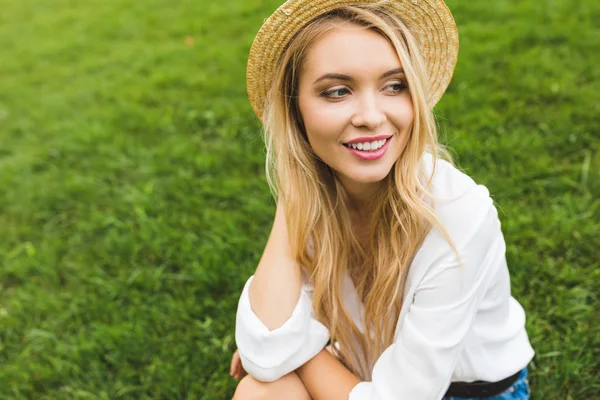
(352, 87)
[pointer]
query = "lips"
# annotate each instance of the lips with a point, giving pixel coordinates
(377, 141)
(369, 139)
(369, 155)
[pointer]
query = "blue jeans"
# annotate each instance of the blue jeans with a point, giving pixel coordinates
(519, 390)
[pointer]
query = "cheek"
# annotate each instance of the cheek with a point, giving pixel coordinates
(322, 123)
(408, 112)
(404, 117)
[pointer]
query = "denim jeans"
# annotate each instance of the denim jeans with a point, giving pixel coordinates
(519, 390)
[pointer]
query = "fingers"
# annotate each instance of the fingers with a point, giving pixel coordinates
(234, 361)
(241, 372)
(239, 375)
(236, 370)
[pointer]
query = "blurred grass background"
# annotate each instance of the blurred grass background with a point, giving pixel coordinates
(133, 203)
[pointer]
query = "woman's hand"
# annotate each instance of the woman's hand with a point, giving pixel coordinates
(236, 370)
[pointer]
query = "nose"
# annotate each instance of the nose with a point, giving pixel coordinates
(368, 113)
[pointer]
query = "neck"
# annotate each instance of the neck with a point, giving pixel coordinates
(359, 197)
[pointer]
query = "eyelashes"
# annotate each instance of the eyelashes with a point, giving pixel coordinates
(341, 92)
(402, 86)
(330, 93)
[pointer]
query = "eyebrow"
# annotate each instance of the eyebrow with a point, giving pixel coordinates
(342, 77)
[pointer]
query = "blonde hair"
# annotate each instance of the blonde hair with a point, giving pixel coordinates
(315, 202)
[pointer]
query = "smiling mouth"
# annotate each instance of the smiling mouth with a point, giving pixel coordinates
(360, 146)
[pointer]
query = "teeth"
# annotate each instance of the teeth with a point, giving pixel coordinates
(368, 146)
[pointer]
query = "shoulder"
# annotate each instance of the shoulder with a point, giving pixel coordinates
(464, 207)
(467, 213)
(447, 181)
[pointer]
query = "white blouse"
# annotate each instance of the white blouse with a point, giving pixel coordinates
(457, 322)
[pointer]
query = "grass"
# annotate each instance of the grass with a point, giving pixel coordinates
(133, 203)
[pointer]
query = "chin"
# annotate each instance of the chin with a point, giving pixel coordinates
(370, 178)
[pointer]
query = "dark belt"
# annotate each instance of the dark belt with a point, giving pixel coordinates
(480, 389)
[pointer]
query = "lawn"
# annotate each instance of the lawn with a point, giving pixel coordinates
(133, 202)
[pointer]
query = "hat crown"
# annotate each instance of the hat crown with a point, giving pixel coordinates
(429, 21)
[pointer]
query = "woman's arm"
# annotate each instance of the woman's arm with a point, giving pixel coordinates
(326, 378)
(276, 331)
(275, 289)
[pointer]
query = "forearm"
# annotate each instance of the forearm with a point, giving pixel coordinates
(326, 378)
(275, 289)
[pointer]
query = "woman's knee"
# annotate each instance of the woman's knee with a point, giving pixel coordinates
(288, 387)
(250, 389)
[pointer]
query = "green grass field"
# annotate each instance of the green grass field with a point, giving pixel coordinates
(133, 202)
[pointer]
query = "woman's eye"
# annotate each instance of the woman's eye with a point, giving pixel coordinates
(397, 87)
(335, 93)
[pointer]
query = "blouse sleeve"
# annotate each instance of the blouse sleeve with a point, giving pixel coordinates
(419, 364)
(267, 355)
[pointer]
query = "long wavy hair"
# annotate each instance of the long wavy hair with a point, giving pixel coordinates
(316, 204)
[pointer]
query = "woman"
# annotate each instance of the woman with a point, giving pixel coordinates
(379, 245)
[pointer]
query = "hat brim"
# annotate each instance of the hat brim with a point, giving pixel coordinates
(429, 21)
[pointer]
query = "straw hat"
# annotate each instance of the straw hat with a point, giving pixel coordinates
(430, 22)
